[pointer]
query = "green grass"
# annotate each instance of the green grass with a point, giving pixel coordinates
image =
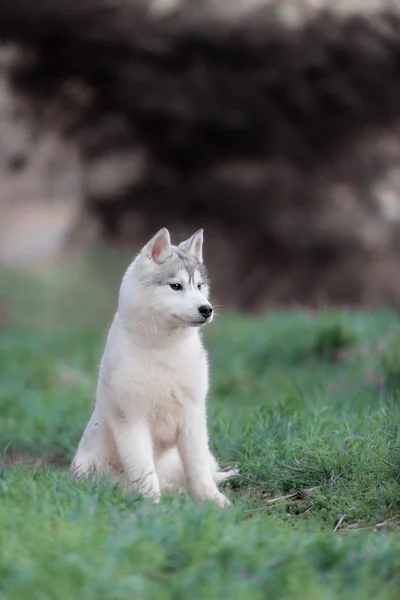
(305, 404)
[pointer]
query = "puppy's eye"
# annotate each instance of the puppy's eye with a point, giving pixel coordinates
(199, 286)
(176, 286)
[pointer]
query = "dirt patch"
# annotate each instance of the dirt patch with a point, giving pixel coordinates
(21, 458)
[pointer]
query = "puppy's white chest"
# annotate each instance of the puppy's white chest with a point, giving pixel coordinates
(166, 417)
(176, 385)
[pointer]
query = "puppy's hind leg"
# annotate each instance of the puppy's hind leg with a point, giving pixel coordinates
(170, 471)
(91, 455)
(171, 474)
(221, 475)
(83, 466)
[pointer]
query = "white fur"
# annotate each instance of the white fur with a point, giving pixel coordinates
(149, 423)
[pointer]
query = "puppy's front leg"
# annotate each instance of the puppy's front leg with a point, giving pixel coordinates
(195, 454)
(135, 449)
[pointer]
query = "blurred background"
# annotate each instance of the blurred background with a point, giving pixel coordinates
(273, 124)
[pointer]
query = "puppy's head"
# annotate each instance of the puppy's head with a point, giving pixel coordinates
(169, 283)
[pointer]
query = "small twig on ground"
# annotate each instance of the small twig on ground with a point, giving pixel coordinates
(370, 528)
(338, 524)
(295, 495)
(302, 493)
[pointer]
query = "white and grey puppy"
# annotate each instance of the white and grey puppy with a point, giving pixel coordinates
(149, 423)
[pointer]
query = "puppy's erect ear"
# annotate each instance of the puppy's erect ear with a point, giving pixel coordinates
(194, 245)
(159, 247)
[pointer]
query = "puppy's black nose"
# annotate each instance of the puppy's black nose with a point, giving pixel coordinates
(205, 311)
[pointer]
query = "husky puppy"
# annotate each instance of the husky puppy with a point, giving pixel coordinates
(149, 423)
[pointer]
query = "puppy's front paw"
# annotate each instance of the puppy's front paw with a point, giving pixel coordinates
(154, 496)
(221, 500)
(209, 491)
